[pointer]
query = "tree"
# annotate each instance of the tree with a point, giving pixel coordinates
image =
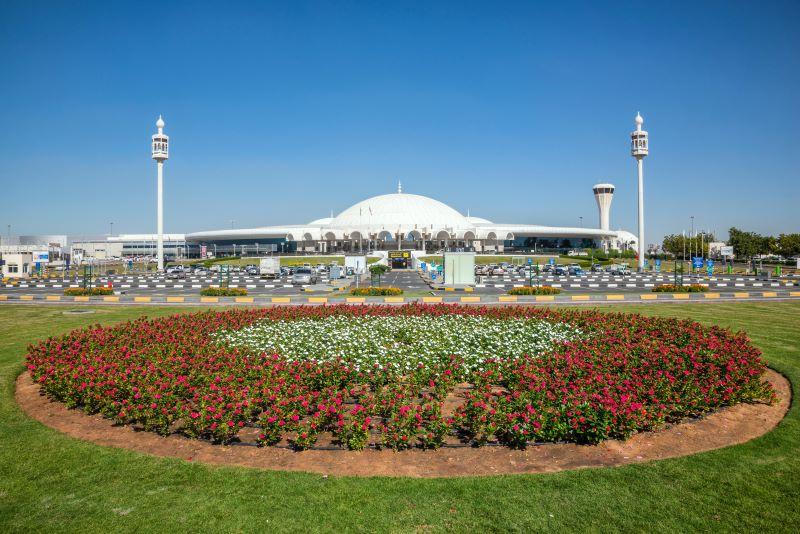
(673, 244)
(682, 246)
(378, 268)
(747, 244)
(787, 245)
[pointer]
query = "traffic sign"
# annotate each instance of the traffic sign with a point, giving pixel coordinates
(697, 262)
(552, 261)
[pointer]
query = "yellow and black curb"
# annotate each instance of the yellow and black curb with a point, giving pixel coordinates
(444, 297)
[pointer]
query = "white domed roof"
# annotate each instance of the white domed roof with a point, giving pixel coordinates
(479, 220)
(400, 210)
(325, 221)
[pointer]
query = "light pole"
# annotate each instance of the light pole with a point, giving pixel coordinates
(692, 247)
(112, 228)
(581, 221)
(160, 154)
(640, 149)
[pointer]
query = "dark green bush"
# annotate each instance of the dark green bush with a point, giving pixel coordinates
(376, 291)
(672, 288)
(533, 290)
(223, 292)
(87, 291)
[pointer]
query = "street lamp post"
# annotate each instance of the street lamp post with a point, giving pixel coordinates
(692, 247)
(640, 149)
(160, 154)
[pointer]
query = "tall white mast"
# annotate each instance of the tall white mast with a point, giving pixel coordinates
(640, 149)
(160, 154)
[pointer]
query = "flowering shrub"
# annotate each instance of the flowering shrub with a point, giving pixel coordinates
(223, 292)
(674, 288)
(384, 375)
(354, 433)
(534, 290)
(87, 291)
(374, 291)
(400, 344)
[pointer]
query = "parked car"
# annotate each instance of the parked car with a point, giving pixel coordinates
(304, 276)
(548, 268)
(617, 270)
(560, 270)
(575, 270)
(597, 268)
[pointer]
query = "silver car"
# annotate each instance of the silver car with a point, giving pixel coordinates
(304, 276)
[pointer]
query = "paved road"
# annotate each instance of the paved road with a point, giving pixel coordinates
(409, 281)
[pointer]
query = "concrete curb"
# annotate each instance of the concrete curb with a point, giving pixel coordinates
(444, 298)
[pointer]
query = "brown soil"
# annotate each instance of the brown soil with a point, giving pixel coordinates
(728, 426)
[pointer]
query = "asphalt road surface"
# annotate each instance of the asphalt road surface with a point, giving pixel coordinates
(409, 280)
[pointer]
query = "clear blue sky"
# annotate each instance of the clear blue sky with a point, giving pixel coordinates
(281, 112)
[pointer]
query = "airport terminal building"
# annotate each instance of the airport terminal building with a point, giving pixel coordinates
(403, 221)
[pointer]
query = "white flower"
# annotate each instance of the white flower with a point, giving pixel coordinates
(401, 342)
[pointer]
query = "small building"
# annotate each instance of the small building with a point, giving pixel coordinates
(99, 250)
(16, 264)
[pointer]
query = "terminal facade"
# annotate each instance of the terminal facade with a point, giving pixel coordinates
(403, 221)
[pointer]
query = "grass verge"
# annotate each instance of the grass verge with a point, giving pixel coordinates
(51, 482)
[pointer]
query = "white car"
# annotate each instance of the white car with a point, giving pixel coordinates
(304, 276)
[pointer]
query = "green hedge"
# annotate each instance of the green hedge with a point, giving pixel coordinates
(672, 288)
(378, 269)
(533, 290)
(87, 291)
(223, 292)
(376, 291)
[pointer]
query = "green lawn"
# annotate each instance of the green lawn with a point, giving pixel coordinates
(51, 482)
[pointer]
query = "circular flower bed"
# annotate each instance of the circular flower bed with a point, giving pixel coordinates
(401, 377)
